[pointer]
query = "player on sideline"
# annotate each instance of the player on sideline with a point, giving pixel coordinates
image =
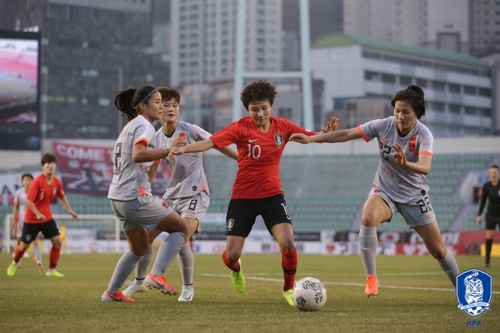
(260, 139)
(187, 192)
(130, 193)
(38, 216)
(491, 191)
(18, 217)
(400, 183)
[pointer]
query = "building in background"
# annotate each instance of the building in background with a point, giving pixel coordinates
(91, 49)
(458, 87)
(484, 18)
(203, 39)
(439, 24)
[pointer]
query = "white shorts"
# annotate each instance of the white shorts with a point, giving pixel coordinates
(145, 212)
(193, 207)
(416, 213)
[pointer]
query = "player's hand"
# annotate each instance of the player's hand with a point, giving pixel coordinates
(73, 214)
(479, 219)
(300, 138)
(399, 155)
(175, 151)
(331, 125)
(40, 216)
(179, 142)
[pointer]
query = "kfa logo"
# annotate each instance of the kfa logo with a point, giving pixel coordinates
(278, 139)
(230, 225)
(474, 291)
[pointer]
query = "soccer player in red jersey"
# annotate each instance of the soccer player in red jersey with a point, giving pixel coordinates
(38, 216)
(260, 139)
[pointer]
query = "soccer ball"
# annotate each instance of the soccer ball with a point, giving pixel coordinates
(309, 294)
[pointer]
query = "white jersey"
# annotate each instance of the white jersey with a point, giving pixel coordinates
(130, 180)
(20, 198)
(188, 175)
(399, 183)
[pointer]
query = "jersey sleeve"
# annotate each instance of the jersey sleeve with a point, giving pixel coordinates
(60, 192)
(427, 143)
(294, 128)
(226, 136)
(198, 133)
(144, 133)
(371, 129)
(16, 197)
(484, 197)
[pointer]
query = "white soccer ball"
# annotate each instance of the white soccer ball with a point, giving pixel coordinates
(309, 294)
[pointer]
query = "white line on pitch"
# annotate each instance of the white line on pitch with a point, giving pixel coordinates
(339, 283)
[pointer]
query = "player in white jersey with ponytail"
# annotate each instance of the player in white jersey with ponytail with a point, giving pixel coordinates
(187, 192)
(18, 211)
(400, 185)
(130, 193)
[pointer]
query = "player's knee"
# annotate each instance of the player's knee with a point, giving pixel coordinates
(369, 221)
(287, 245)
(138, 250)
(232, 255)
(438, 253)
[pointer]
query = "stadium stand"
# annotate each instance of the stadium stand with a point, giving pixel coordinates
(326, 192)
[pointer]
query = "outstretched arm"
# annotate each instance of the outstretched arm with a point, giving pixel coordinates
(196, 147)
(331, 137)
(141, 153)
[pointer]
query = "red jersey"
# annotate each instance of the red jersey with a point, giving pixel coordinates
(42, 193)
(259, 155)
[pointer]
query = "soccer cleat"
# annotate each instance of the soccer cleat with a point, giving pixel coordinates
(54, 273)
(39, 265)
(12, 269)
(160, 282)
(371, 286)
(238, 279)
(287, 295)
(187, 293)
(115, 297)
(135, 288)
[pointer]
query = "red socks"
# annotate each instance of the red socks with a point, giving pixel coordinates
(232, 265)
(55, 253)
(289, 263)
(18, 254)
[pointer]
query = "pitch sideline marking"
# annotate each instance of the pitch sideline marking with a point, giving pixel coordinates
(340, 283)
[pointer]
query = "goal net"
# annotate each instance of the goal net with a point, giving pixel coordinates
(87, 234)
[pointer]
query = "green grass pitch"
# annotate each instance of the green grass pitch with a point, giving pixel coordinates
(414, 296)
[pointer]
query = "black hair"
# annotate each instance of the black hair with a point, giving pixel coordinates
(48, 158)
(128, 100)
(258, 90)
(29, 175)
(494, 166)
(167, 94)
(414, 95)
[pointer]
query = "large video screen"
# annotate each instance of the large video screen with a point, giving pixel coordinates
(19, 90)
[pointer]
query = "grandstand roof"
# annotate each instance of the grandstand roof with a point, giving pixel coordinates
(339, 40)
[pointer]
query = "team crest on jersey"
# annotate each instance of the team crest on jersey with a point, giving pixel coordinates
(413, 144)
(278, 139)
(474, 291)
